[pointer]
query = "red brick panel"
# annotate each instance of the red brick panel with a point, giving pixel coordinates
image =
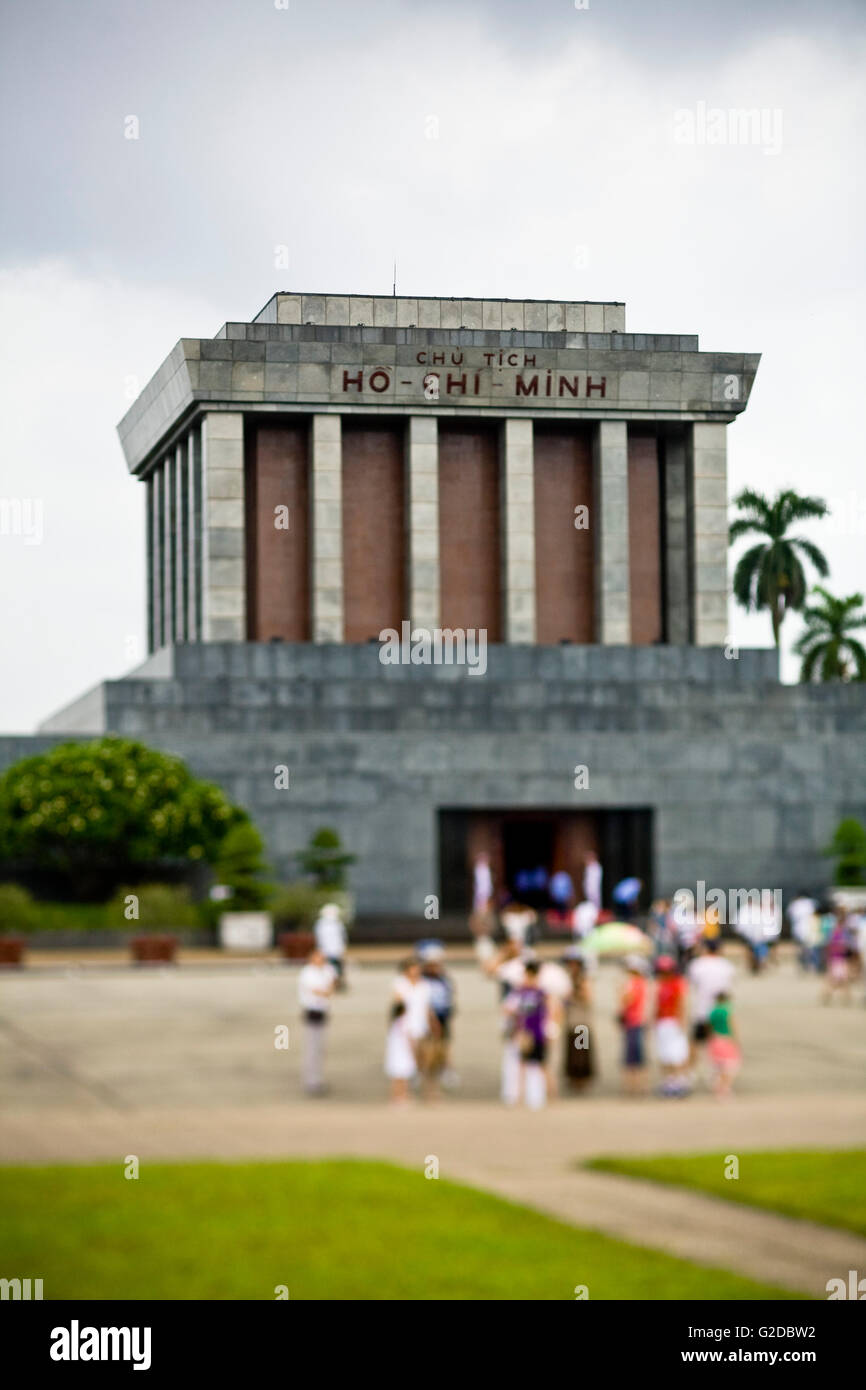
(469, 553)
(576, 834)
(564, 558)
(374, 549)
(278, 587)
(644, 539)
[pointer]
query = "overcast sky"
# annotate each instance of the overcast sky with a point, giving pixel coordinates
(514, 148)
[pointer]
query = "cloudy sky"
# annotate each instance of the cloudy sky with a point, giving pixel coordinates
(515, 148)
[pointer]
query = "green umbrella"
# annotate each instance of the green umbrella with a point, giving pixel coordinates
(616, 939)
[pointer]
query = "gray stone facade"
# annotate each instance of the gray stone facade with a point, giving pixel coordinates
(745, 777)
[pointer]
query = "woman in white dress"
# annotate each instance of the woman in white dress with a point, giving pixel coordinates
(400, 1064)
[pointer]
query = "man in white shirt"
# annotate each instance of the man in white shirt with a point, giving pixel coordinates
(708, 975)
(330, 936)
(481, 921)
(555, 982)
(509, 970)
(517, 920)
(592, 874)
(482, 884)
(583, 919)
(800, 912)
(316, 983)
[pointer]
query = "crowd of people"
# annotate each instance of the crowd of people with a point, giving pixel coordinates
(548, 1035)
(674, 1003)
(831, 941)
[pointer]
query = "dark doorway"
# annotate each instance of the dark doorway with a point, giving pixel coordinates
(544, 838)
(527, 848)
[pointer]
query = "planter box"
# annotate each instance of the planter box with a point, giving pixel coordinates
(246, 931)
(12, 950)
(157, 948)
(296, 945)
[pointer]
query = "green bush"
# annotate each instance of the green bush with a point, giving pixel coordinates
(151, 907)
(84, 817)
(240, 865)
(18, 912)
(848, 848)
(325, 860)
(297, 905)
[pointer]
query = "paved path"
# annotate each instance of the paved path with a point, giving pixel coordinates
(529, 1158)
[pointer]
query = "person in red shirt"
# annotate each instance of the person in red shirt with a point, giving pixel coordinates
(672, 1041)
(632, 1019)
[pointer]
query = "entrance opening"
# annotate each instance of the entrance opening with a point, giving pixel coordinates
(526, 847)
(528, 852)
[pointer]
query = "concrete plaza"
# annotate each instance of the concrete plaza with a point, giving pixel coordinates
(104, 1061)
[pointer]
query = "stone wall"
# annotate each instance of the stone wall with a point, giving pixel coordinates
(746, 778)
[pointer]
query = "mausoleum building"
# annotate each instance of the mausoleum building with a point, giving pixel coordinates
(531, 473)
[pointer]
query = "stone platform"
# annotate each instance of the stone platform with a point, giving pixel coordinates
(745, 778)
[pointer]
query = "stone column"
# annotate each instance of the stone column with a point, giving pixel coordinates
(676, 556)
(168, 550)
(181, 576)
(327, 529)
(194, 553)
(610, 523)
(223, 528)
(709, 534)
(518, 550)
(158, 555)
(150, 524)
(422, 474)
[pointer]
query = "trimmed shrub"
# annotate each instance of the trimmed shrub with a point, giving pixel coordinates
(848, 848)
(155, 907)
(18, 912)
(80, 819)
(240, 866)
(325, 860)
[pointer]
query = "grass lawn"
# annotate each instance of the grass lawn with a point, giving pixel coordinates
(333, 1230)
(814, 1184)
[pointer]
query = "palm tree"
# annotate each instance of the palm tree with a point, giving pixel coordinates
(770, 574)
(827, 646)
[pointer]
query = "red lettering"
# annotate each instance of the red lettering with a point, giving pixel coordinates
(528, 388)
(421, 357)
(599, 386)
(569, 386)
(512, 359)
(456, 383)
(381, 375)
(438, 359)
(529, 361)
(356, 381)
